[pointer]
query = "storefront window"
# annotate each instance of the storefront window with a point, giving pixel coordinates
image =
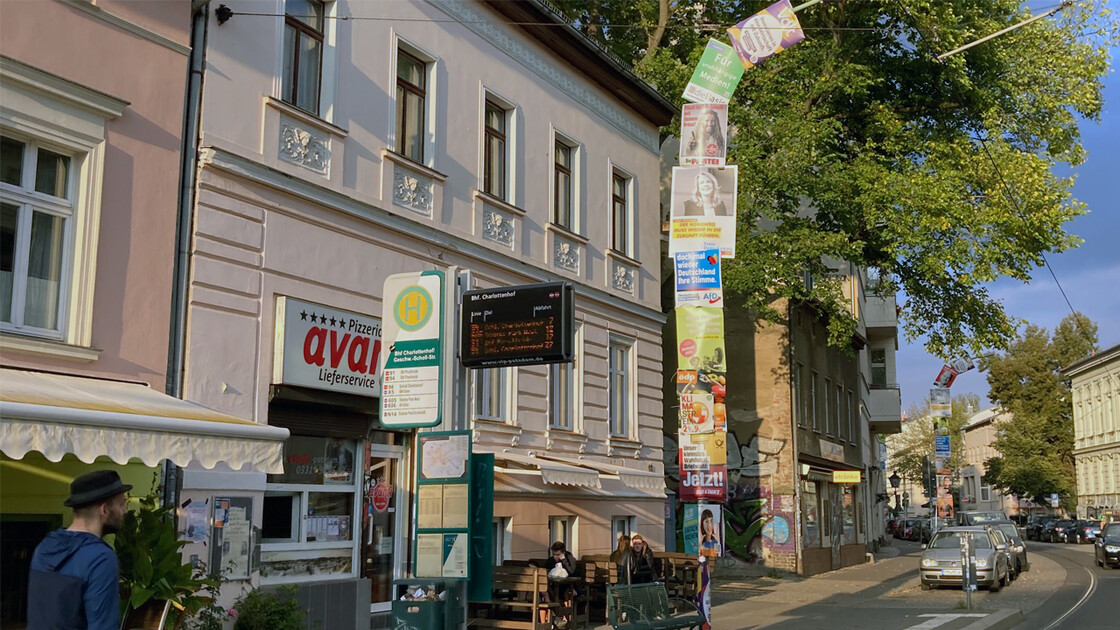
(810, 512)
(307, 528)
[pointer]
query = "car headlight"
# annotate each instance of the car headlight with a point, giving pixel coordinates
(1112, 548)
(1019, 549)
(929, 562)
(982, 563)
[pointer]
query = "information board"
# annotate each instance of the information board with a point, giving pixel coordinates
(521, 325)
(411, 376)
(442, 505)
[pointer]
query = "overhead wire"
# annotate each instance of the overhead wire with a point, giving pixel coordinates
(1008, 191)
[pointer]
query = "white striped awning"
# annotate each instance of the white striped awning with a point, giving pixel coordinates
(551, 472)
(630, 476)
(57, 414)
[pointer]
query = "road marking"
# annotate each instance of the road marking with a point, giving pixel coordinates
(1088, 592)
(940, 619)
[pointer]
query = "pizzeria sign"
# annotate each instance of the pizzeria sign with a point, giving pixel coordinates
(326, 348)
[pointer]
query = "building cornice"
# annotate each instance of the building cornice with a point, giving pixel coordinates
(229, 162)
(88, 7)
(1084, 365)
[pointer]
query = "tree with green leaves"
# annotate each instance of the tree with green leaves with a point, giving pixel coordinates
(1036, 445)
(857, 144)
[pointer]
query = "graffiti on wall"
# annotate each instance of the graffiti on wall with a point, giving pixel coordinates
(754, 520)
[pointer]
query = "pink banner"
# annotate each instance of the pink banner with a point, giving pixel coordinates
(765, 33)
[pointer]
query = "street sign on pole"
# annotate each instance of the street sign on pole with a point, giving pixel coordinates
(412, 363)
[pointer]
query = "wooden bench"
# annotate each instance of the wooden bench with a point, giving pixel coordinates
(647, 607)
(517, 597)
(679, 571)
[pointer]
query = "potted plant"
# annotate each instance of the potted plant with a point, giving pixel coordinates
(153, 575)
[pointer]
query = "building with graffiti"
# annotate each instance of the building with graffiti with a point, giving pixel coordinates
(804, 422)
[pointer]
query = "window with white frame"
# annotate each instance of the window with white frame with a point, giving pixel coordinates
(562, 529)
(303, 54)
(502, 534)
(490, 389)
(52, 140)
(985, 493)
(412, 106)
(565, 182)
(564, 389)
(878, 366)
(495, 160)
(310, 510)
(621, 212)
(36, 205)
(620, 386)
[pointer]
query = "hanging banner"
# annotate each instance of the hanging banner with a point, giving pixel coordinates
(702, 212)
(703, 133)
(765, 33)
(710, 485)
(945, 507)
(962, 364)
(704, 595)
(703, 530)
(940, 403)
(699, 452)
(698, 278)
(716, 76)
(946, 377)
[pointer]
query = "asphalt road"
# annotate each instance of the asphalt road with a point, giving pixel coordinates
(1088, 599)
(1064, 590)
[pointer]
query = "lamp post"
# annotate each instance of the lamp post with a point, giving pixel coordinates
(895, 480)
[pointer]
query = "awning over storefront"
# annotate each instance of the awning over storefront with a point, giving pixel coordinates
(551, 471)
(56, 414)
(629, 476)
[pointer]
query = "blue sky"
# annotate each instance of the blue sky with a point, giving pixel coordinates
(1089, 274)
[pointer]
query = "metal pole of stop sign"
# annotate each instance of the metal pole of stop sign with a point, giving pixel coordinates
(967, 569)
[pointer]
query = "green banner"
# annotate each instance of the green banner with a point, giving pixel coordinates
(716, 76)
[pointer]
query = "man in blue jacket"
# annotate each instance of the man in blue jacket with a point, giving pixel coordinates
(75, 580)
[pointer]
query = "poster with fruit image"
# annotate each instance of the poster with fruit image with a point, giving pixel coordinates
(701, 362)
(697, 414)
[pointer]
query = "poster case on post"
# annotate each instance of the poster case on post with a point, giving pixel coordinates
(234, 543)
(442, 508)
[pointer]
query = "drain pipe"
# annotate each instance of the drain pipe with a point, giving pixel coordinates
(184, 225)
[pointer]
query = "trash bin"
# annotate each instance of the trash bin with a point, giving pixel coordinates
(425, 613)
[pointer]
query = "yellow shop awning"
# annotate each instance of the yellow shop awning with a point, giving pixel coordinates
(56, 414)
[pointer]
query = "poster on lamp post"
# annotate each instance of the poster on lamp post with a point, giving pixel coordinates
(766, 33)
(716, 75)
(702, 211)
(703, 134)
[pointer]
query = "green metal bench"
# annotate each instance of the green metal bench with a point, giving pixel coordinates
(646, 607)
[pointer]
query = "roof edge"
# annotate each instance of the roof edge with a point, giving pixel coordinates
(542, 21)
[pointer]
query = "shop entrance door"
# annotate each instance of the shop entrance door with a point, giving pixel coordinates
(384, 507)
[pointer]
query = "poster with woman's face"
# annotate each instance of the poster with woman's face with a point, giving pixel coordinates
(711, 531)
(703, 134)
(703, 209)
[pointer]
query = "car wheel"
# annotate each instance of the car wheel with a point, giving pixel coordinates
(925, 585)
(1100, 564)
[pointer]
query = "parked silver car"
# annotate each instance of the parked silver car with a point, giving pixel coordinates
(1016, 548)
(941, 561)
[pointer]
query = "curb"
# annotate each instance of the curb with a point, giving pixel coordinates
(999, 620)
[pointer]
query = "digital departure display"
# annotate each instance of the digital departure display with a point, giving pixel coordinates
(522, 325)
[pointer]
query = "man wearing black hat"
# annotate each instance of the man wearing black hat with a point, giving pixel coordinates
(74, 582)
